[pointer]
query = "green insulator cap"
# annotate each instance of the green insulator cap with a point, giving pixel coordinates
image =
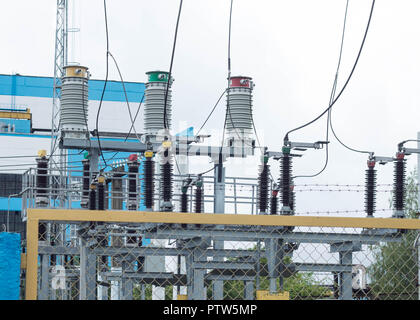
(184, 189)
(286, 150)
(199, 184)
(265, 159)
(158, 76)
(86, 155)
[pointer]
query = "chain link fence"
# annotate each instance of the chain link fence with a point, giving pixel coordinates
(239, 259)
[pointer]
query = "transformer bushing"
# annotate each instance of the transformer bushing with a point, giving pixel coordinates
(239, 123)
(74, 102)
(370, 189)
(399, 185)
(156, 119)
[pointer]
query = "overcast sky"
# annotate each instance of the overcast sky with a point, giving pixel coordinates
(290, 48)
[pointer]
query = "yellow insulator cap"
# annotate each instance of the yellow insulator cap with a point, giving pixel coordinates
(148, 154)
(42, 153)
(76, 71)
(166, 144)
(101, 179)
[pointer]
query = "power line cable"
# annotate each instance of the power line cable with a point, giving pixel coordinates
(332, 96)
(286, 137)
(105, 83)
(165, 120)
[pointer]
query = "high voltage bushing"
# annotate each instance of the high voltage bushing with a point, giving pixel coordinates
(370, 189)
(85, 183)
(399, 185)
(41, 199)
(263, 182)
(149, 180)
(154, 105)
(285, 181)
(133, 171)
(74, 102)
(239, 109)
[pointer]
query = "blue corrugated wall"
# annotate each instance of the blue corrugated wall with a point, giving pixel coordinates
(10, 251)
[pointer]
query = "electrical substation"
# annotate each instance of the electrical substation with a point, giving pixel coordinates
(130, 221)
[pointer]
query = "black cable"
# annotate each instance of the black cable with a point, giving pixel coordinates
(214, 108)
(126, 97)
(332, 95)
(106, 82)
(286, 137)
(165, 121)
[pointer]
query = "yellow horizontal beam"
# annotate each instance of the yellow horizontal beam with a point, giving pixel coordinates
(15, 115)
(221, 219)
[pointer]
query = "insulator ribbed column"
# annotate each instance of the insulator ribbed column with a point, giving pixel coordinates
(285, 181)
(101, 193)
(399, 184)
(74, 102)
(92, 197)
(149, 183)
(370, 189)
(274, 202)
(41, 199)
(85, 183)
(263, 181)
(166, 182)
(184, 201)
(132, 205)
(292, 197)
(133, 171)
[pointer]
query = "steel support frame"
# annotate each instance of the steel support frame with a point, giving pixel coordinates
(61, 216)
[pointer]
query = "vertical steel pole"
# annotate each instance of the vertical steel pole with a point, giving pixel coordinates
(219, 207)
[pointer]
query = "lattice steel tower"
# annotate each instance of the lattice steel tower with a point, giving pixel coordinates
(58, 159)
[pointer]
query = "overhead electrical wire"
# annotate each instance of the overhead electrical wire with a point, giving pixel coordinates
(165, 120)
(332, 96)
(105, 83)
(286, 137)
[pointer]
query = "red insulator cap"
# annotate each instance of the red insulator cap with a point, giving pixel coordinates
(241, 82)
(133, 157)
(400, 155)
(292, 187)
(275, 193)
(371, 163)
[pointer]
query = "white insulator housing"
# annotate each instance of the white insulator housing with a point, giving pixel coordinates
(74, 102)
(239, 110)
(154, 106)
